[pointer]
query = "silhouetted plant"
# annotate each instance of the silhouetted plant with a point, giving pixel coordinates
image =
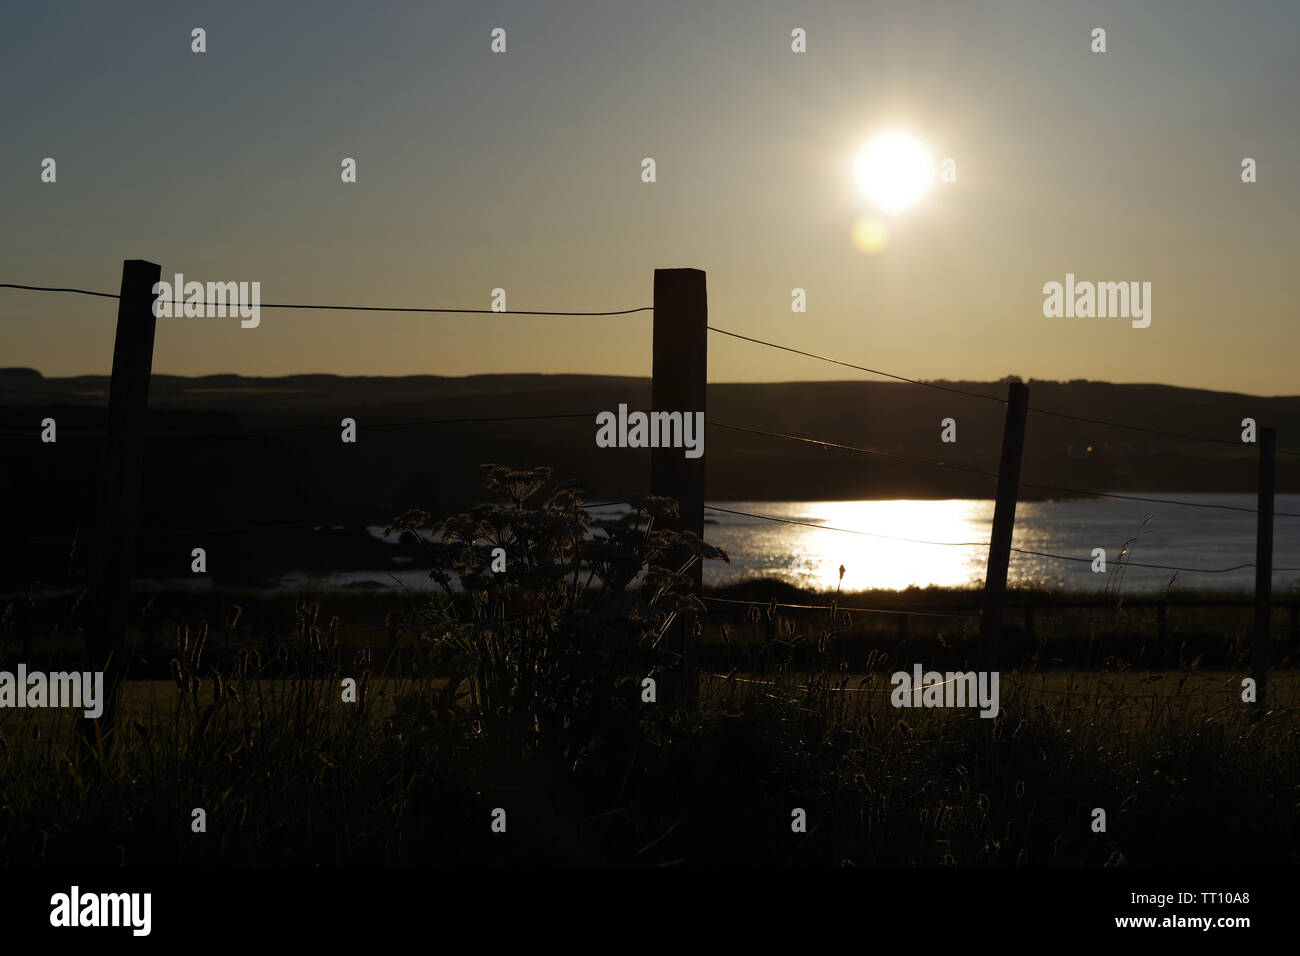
(553, 648)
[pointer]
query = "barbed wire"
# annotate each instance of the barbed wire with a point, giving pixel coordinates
(990, 398)
(486, 419)
(869, 534)
(711, 328)
(48, 288)
(985, 544)
(992, 474)
(856, 448)
(255, 433)
(805, 687)
(838, 607)
(1036, 615)
(245, 433)
(321, 524)
(315, 523)
(1121, 695)
(860, 368)
(332, 308)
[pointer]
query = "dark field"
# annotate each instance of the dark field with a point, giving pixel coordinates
(233, 705)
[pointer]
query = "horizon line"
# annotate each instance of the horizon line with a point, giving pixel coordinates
(6, 375)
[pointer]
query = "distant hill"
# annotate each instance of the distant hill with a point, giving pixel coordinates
(237, 450)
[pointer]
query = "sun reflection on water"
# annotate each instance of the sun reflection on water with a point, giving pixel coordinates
(813, 555)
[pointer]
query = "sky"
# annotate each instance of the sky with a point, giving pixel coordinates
(522, 170)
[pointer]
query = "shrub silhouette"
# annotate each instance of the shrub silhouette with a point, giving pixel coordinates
(553, 649)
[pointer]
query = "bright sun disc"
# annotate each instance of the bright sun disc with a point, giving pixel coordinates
(894, 171)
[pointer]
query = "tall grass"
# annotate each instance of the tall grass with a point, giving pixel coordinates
(526, 693)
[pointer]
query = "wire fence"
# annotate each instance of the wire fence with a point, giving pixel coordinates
(433, 422)
(331, 307)
(992, 398)
(784, 436)
(1227, 686)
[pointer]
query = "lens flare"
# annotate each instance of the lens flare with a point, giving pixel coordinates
(870, 234)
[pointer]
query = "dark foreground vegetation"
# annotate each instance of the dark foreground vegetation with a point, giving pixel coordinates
(523, 690)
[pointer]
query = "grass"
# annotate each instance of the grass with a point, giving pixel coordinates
(524, 692)
(289, 774)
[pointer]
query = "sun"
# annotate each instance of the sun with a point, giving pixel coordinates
(894, 171)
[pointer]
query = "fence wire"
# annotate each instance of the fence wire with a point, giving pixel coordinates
(992, 398)
(757, 341)
(333, 308)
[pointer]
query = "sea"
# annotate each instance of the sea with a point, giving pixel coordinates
(1191, 543)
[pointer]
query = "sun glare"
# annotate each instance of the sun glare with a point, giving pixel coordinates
(894, 171)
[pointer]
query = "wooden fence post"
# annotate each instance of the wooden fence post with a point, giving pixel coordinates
(1004, 519)
(119, 484)
(1260, 651)
(680, 370)
(1295, 630)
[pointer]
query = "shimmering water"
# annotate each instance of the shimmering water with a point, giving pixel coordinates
(903, 543)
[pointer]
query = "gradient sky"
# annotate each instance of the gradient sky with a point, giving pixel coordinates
(522, 171)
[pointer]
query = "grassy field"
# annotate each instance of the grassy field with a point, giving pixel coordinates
(1123, 698)
(287, 773)
(1063, 629)
(524, 695)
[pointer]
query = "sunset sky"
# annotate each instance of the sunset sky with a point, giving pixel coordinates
(522, 170)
